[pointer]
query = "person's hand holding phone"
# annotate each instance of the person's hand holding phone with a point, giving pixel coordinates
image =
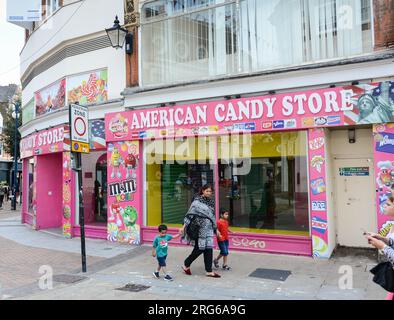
(378, 244)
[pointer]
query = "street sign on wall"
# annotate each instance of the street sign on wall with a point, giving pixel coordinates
(79, 128)
(354, 171)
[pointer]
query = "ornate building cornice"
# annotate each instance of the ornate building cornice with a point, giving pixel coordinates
(132, 15)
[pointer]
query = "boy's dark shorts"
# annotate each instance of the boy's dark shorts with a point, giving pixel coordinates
(162, 261)
(223, 246)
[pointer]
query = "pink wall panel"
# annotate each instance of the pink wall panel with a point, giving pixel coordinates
(49, 191)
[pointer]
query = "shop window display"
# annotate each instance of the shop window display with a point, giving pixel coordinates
(262, 181)
(175, 174)
(271, 196)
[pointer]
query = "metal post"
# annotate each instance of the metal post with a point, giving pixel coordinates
(15, 184)
(81, 212)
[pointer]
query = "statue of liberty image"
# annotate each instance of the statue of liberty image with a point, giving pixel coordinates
(376, 109)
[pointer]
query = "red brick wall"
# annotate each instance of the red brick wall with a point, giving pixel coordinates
(383, 23)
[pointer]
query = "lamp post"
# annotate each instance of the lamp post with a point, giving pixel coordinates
(15, 184)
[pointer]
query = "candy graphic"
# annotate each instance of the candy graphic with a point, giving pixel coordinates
(385, 176)
(66, 193)
(380, 128)
(112, 232)
(318, 186)
(118, 126)
(316, 143)
(66, 212)
(130, 216)
(319, 225)
(317, 162)
(67, 229)
(320, 247)
(386, 228)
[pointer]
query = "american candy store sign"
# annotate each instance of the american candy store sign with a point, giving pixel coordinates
(309, 109)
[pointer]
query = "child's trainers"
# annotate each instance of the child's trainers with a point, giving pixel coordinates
(216, 263)
(156, 275)
(168, 278)
(226, 268)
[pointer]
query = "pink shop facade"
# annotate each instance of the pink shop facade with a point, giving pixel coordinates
(299, 172)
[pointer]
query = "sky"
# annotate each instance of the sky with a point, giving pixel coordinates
(12, 39)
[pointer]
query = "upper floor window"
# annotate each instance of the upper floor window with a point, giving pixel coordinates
(49, 7)
(186, 40)
(52, 6)
(165, 8)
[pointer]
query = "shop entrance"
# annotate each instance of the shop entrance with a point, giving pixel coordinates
(355, 200)
(94, 185)
(354, 187)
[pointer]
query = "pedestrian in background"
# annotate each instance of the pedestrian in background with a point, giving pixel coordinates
(6, 193)
(199, 229)
(1, 197)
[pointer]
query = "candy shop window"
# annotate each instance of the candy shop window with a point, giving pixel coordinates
(266, 192)
(175, 172)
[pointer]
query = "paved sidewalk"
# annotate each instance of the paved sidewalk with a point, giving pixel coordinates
(12, 229)
(112, 266)
(24, 251)
(6, 212)
(309, 279)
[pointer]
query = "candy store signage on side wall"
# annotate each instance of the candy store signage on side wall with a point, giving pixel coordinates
(349, 105)
(124, 188)
(318, 197)
(43, 142)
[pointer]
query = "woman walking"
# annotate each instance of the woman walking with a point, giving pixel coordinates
(201, 219)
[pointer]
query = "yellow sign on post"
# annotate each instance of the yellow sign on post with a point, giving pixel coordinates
(79, 128)
(80, 147)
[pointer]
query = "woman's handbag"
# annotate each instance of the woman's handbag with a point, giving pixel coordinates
(193, 228)
(384, 275)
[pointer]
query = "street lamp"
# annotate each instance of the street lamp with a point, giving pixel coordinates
(15, 184)
(118, 35)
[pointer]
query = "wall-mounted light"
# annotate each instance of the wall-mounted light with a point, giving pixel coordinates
(351, 135)
(129, 43)
(272, 92)
(355, 83)
(118, 36)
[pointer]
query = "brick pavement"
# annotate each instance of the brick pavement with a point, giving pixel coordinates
(19, 265)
